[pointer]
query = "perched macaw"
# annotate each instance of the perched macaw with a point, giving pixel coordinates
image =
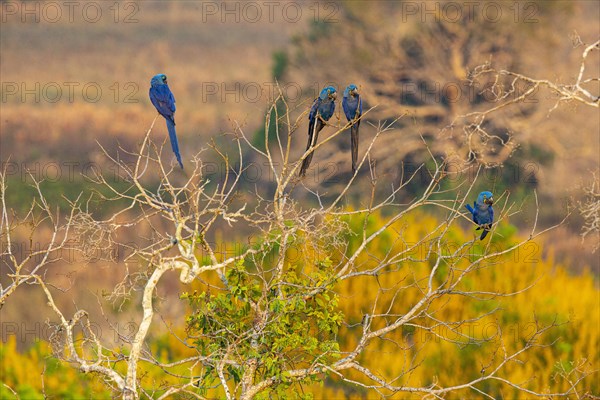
(352, 105)
(163, 100)
(483, 213)
(322, 109)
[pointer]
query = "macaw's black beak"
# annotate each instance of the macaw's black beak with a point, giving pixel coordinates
(334, 95)
(490, 201)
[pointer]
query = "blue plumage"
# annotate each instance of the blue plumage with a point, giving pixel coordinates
(322, 109)
(483, 213)
(352, 105)
(163, 100)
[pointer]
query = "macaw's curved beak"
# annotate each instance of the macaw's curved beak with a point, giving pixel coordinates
(490, 201)
(334, 95)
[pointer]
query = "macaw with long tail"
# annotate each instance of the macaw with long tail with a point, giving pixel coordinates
(352, 105)
(483, 213)
(163, 100)
(322, 109)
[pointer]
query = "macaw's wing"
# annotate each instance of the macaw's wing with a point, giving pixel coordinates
(313, 134)
(488, 224)
(313, 110)
(347, 110)
(326, 109)
(475, 211)
(359, 106)
(172, 100)
(352, 107)
(468, 206)
(163, 100)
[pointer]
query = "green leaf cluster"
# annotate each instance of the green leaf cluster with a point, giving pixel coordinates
(277, 325)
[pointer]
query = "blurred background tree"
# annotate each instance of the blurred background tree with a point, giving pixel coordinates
(429, 66)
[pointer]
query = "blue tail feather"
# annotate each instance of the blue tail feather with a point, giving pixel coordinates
(173, 137)
(484, 233)
(470, 209)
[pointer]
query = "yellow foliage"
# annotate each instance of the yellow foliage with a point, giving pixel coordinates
(572, 302)
(35, 372)
(418, 353)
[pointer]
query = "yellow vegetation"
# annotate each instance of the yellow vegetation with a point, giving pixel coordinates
(565, 351)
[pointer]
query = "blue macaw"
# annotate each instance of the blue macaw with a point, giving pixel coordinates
(163, 100)
(352, 105)
(322, 109)
(483, 213)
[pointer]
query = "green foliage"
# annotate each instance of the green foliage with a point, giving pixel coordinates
(278, 70)
(318, 30)
(258, 139)
(282, 325)
(280, 64)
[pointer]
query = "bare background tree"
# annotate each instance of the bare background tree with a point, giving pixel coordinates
(266, 315)
(32, 242)
(590, 211)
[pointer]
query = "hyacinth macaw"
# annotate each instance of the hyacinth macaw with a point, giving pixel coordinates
(163, 100)
(352, 105)
(322, 109)
(483, 213)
